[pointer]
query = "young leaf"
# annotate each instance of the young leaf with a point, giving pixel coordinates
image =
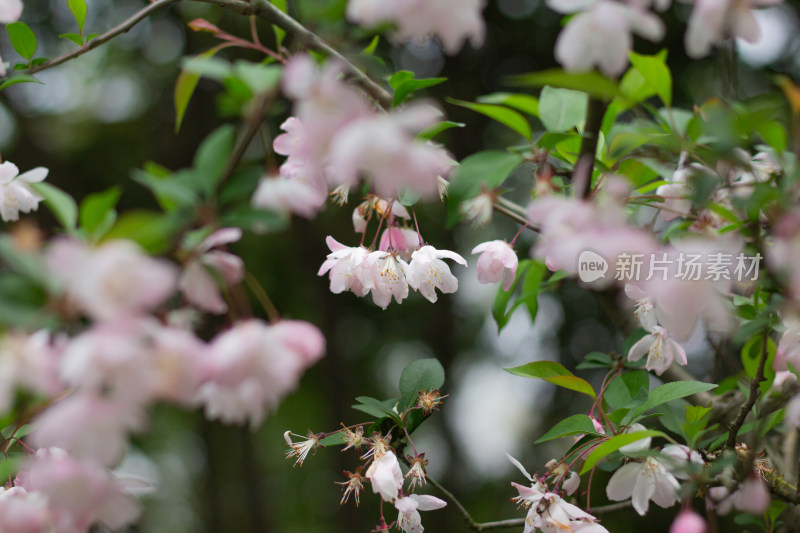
(668, 392)
(573, 425)
(212, 157)
(432, 131)
(500, 310)
(554, 373)
(74, 37)
(592, 83)
(622, 390)
(525, 103)
(615, 443)
(61, 204)
(185, 86)
(19, 78)
(503, 115)
(22, 39)
(484, 169)
(655, 73)
(423, 374)
(78, 9)
(561, 109)
(376, 408)
(95, 208)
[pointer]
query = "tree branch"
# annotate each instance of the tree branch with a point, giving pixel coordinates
(755, 391)
(121, 28)
(308, 39)
(582, 173)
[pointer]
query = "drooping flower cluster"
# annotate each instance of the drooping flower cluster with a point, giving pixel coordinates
(452, 21)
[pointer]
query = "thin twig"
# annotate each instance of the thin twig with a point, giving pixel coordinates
(307, 39)
(755, 391)
(121, 28)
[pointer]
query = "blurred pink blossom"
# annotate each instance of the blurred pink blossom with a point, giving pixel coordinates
(196, 282)
(498, 261)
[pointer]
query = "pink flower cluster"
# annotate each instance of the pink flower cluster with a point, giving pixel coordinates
(336, 138)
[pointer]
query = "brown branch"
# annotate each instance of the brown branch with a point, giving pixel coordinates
(121, 28)
(582, 173)
(755, 391)
(308, 39)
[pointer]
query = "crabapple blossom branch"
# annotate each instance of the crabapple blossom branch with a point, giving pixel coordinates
(121, 28)
(582, 174)
(307, 38)
(755, 391)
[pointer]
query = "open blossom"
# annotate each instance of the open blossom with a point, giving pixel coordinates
(713, 21)
(452, 21)
(89, 427)
(643, 481)
(408, 507)
(100, 500)
(15, 194)
(385, 476)
(498, 261)
(390, 279)
(10, 11)
(427, 272)
(682, 458)
(197, 283)
(677, 196)
(661, 351)
(602, 34)
(249, 368)
(112, 280)
(24, 512)
(402, 240)
(288, 194)
(350, 268)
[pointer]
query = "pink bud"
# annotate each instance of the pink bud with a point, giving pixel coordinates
(688, 522)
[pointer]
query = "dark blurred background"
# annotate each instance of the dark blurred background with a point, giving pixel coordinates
(97, 118)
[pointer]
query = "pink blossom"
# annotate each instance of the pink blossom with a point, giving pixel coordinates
(351, 268)
(100, 500)
(661, 351)
(751, 496)
(389, 278)
(28, 362)
(408, 508)
(677, 200)
(176, 356)
(784, 254)
(249, 368)
(285, 195)
(385, 476)
(15, 194)
(384, 148)
(498, 261)
(452, 21)
(10, 11)
(89, 427)
(402, 240)
(427, 272)
(601, 34)
(643, 481)
(688, 521)
(680, 458)
(196, 282)
(112, 280)
(24, 512)
(713, 21)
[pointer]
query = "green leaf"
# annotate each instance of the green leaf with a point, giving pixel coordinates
(78, 9)
(500, 306)
(432, 131)
(484, 169)
(573, 425)
(623, 389)
(91, 36)
(751, 356)
(591, 83)
(554, 373)
(258, 77)
(655, 73)
(22, 39)
(61, 204)
(210, 67)
(256, 220)
(596, 360)
(668, 392)
(423, 374)
(74, 37)
(19, 78)
(184, 88)
(404, 83)
(212, 157)
(172, 191)
(503, 115)
(530, 288)
(334, 439)
(371, 47)
(615, 443)
(521, 102)
(774, 134)
(376, 408)
(150, 229)
(95, 208)
(561, 109)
